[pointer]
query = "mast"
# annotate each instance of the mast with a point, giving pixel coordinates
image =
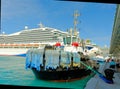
(76, 14)
(40, 25)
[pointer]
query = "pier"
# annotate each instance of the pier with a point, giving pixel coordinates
(97, 83)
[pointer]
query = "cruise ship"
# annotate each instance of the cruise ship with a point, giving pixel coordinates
(18, 43)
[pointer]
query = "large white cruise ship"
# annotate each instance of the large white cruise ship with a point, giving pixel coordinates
(18, 43)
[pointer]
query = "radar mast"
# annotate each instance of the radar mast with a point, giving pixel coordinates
(40, 25)
(76, 14)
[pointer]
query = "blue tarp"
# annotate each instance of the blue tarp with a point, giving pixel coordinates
(52, 58)
(34, 58)
(76, 58)
(65, 57)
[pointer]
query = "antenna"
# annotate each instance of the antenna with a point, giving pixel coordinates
(41, 25)
(76, 14)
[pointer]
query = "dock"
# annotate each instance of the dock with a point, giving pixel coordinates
(97, 83)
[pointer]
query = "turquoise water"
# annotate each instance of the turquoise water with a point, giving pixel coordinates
(13, 72)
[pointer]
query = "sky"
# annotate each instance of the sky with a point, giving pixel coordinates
(95, 21)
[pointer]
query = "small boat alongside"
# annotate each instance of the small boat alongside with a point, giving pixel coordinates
(57, 65)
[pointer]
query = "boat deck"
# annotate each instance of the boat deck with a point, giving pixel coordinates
(97, 83)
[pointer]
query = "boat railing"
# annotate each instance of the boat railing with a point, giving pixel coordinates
(21, 45)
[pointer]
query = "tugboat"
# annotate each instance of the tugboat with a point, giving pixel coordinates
(57, 65)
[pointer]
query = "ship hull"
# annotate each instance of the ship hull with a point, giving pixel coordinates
(13, 51)
(69, 75)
